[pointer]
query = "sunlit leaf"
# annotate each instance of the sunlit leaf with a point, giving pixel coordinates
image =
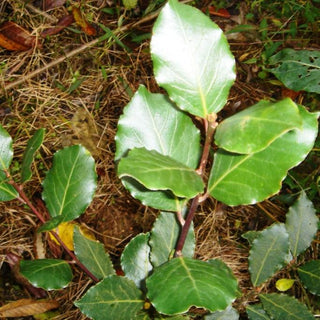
(192, 59)
(309, 274)
(202, 284)
(112, 298)
(32, 146)
(283, 307)
(245, 179)
(158, 172)
(70, 184)
(164, 236)
(48, 274)
(269, 253)
(228, 314)
(7, 192)
(135, 260)
(130, 4)
(92, 254)
(284, 284)
(301, 224)
(254, 128)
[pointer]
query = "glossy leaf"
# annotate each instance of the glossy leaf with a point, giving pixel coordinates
(70, 184)
(256, 312)
(202, 284)
(158, 172)
(135, 260)
(164, 236)
(283, 307)
(301, 224)
(161, 127)
(48, 274)
(92, 254)
(269, 253)
(7, 192)
(309, 274)
(245, 179)
(297, 69)
(191, 59)
(112, 298)
(255, 128)
(284, 284)
(228, 314)
(32, 146)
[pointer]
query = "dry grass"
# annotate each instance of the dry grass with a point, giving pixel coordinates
(89, 116)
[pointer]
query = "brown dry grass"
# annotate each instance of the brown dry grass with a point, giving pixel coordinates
(89, 116)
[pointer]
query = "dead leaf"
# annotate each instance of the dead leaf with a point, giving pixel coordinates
(61, 24)
(27, 307)
(86, 27)
(288, 93)
(224, 13)
(15, 38)
(51, 4)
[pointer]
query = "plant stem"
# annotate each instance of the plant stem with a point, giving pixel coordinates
(210, 126)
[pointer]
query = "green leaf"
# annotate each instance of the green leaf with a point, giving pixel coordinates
(130, 4)
(269, 253)
(48, 274)
(161, 127)
(301, 224)
(164, 236)
(297, 69)
(112, 298)
(177, 285)
(228, 314)
(191, 59)
(135, 260)
(32, 146)
(92, 254)
(255, 128)
(309, 274)
(7, 192)
(158, 172)
(283, 307)
(245, 179)
(256, 312)
(250, 235)
(70, 184)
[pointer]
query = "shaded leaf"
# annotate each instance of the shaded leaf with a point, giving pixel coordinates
(7, 192)
(112, 298)
(256, 312)
(158, 172)
(27, 307)
(86, 27)
(70, 184)
(255, 128)
(32, 146)
(63, 22)
(284, 284)
(301, 224)
(269, 253)
(92, 254)
(203, 285)
(245, 179)
(228, 314)
(164, 236)
(135, 260)
(48, 274)
(297, 69)
(15, 38)
(175, 136)
(51, 4)
(250, 236)
(224, 13)
(309, 274)
(283, 307)
(191, 59)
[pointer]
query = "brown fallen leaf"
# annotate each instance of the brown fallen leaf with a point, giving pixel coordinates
(15, 38)
(27, 307)
(82, 22)
(219, 12)
(288, 93)
(51, 4)
(61, 24)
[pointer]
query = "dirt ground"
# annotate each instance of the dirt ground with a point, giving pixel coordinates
(106, 75)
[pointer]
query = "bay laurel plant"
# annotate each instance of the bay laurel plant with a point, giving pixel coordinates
(163, 146)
